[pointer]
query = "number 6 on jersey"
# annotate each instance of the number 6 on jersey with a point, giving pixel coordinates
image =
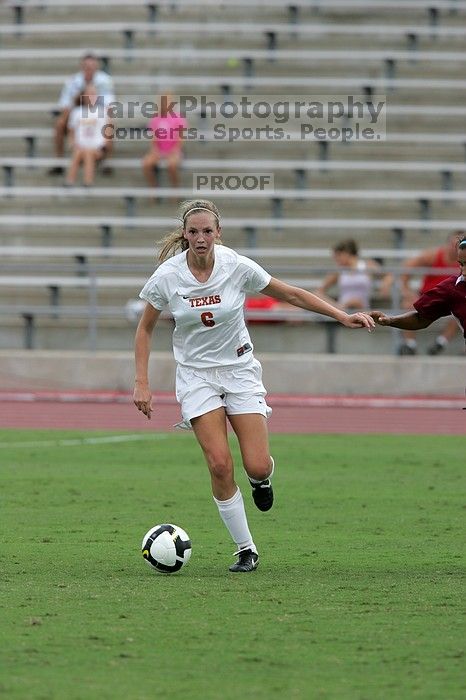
(207, 318)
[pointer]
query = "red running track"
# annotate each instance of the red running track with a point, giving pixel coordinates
(290, 415)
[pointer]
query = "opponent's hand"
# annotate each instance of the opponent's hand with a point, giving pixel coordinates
(359, 320)
(143, 399)
(380, 318)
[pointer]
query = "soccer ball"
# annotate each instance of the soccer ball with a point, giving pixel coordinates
(166, 548)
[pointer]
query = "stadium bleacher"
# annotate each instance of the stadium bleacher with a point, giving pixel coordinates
(405, 191)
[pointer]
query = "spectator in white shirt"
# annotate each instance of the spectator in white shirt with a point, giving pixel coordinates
(87, 135)
(103, 85)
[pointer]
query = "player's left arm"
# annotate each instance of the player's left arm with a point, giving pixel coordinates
(306, 300)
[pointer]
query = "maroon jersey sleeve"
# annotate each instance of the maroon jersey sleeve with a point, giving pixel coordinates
(437, 301)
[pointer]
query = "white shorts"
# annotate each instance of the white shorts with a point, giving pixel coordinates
(237, 389)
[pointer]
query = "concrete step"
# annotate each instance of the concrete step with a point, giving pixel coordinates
(121, 238)
(135, 145)
(169, 11)
(254, 42)
(50, 93)
(234, 236)
(151, 38)
(282, 179)
(415, 121)
(317, 208)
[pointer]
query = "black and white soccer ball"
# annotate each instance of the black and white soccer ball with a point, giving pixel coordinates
(166, 548)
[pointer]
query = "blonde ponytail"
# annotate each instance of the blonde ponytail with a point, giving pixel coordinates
(175, 241)
(172, 243)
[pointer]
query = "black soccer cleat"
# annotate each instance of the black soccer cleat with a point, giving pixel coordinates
(247, 561)
(406, 350)
(262, 494)
(436, 348)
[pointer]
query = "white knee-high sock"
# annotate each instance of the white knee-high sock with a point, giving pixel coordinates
(258, 481)
(234, 516)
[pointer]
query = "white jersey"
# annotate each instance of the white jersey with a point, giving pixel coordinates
(210, 330)
(88, 129)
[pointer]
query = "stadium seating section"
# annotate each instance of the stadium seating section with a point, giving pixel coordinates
(71, 259)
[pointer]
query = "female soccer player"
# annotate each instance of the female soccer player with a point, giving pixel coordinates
(447, 297)
(217, 375)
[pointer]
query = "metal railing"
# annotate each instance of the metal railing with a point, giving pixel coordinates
(93, 278)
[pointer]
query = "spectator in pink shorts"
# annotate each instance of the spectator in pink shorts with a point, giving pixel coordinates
(166, 144)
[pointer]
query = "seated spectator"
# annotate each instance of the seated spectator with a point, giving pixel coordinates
(167, 143)
(447, 298)
(443, 257)
(355, 281)
(86, 134)
(73, 87)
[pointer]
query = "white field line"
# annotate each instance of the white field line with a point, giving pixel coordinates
(78, 442)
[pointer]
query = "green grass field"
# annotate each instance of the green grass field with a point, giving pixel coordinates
(358, 594)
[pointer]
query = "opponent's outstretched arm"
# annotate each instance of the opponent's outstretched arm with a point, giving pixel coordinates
(411, 321)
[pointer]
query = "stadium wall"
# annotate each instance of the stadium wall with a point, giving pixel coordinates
(284, 373)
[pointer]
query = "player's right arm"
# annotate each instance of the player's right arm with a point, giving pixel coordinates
(412, 321)
(142, 395)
